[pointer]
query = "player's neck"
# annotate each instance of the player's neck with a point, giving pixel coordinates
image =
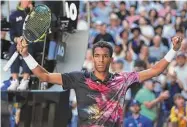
(101, 75)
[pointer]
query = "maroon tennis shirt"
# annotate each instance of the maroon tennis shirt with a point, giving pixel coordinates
(99, 103)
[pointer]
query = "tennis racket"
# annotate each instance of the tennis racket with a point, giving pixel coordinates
(35, 26)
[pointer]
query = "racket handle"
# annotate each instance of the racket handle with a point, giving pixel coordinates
(10, 61)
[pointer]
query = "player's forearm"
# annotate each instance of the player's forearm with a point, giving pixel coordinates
(41, 73)
(159, 67)
(37, 70)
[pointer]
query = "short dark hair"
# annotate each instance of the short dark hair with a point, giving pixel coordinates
(103, 44)
(123, 2)
(123, 31)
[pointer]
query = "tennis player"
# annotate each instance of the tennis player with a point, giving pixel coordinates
(100, 94)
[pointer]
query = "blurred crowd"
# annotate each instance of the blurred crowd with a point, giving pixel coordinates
(140, 33)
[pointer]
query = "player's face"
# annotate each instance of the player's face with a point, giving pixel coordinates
(101, 59)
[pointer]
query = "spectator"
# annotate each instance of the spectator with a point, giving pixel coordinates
(104, 36)
(123, 12)
(157, 50)
(168, 28)
(118, 66)
(118, 52)
(181, 72)
(129, 61)
(136, 119)
(153, 15)
(174, 86)
(16, 20)
(178, 116)
(161, 21)
(147, 30)
(101, 12)
(158, 31)
(184, 46)
(144, 56)
(94, 31)
(166, 9)
(132, 15)
(149, 101)
(124, 38)
(114, 27)
(136, 42)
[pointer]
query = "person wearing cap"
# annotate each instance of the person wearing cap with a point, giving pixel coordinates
(149, 101)
(181, 72)
(178, 115)
(136, 119)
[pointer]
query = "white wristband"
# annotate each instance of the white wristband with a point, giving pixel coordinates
(170, 55)
(30, 61)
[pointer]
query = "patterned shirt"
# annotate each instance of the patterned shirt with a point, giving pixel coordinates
(99, 103)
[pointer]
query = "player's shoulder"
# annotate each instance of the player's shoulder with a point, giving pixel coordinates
(126, 74)
(74, 73)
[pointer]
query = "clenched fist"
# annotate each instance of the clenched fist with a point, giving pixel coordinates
(22, 46)
(176, 41)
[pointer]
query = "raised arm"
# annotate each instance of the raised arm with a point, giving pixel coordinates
(163, 63)
(40, 72)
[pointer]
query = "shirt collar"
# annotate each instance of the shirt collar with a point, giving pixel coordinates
(94, 78)
(20, 8)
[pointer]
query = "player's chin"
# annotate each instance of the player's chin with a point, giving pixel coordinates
(101, 69)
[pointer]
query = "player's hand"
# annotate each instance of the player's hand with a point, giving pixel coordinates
(22, 46)
(164, 95)
(176, 41)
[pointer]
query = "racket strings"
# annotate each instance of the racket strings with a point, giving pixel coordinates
(37, 24)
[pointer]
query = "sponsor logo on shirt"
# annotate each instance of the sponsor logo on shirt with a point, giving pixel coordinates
(19, 18)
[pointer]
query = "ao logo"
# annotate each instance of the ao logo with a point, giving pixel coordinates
(71, 11)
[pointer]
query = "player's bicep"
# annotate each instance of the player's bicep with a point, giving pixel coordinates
(146, 74)
(55, 78)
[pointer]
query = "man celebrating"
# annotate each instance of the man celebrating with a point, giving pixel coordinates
(100, 94)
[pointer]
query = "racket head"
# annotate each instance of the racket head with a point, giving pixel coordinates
(37, 23)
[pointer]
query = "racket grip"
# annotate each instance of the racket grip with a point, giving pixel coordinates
(10, 61)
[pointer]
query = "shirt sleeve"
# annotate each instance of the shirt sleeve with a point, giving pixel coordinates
(70, 80)
(131, 78)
